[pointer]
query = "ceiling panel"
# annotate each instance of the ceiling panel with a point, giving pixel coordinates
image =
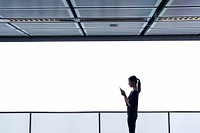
(179, 24)
(114, 12)
(54, 32)
(181, 11)
(11, 32)
(173, 31)
(46, 25)
(99, 17)
(32, 3)
(4, 26)
(118, 24)
(115, 3)
(184, 3)
(35, 13)
(112, 31)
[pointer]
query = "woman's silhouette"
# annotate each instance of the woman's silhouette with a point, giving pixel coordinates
(132, 102)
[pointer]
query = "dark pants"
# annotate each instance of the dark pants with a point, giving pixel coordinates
(132, 117)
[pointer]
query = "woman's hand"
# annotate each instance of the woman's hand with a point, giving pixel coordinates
(122, 92)
(125, 97)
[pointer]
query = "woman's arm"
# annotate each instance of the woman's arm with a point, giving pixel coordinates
(127, 101)
(125, 97)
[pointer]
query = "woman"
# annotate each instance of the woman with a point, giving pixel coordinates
(132, 102)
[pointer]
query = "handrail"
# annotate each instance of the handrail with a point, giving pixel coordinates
(97, 112)
(30, 114)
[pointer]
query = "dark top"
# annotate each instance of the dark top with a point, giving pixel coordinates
(133, 100)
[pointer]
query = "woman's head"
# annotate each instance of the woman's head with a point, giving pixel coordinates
(133, 81)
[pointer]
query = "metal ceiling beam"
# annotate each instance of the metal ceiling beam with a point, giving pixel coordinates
(102, 38)
(22, 31)
(75, 16)
(155, 16)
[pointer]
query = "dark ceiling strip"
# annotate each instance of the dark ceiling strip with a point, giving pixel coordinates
(72, 20)
(138, 19)
(186, 6)
(19, 29)
(113, 7)
(136, 7)
(154, 17)
(101, 38)
(75, 16)
(33, 8)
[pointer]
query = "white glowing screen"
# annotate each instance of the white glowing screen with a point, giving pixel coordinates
(86, 76)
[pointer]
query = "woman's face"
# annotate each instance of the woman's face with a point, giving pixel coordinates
(131, 83)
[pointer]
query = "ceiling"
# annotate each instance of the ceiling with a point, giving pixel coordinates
(99, 18)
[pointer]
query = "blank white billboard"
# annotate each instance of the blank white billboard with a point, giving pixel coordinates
(86, 76)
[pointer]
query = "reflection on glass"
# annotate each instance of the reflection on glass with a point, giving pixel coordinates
(152, 123)
(113, 123)
(146, 123)
(65, 123)
(14, 123)
(185, 122)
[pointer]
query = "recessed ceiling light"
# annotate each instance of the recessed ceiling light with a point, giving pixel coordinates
(179, 19)
(113, 25)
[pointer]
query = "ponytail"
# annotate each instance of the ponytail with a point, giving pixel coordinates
(139, 85)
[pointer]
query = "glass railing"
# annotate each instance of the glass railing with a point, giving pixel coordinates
(99, 122)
